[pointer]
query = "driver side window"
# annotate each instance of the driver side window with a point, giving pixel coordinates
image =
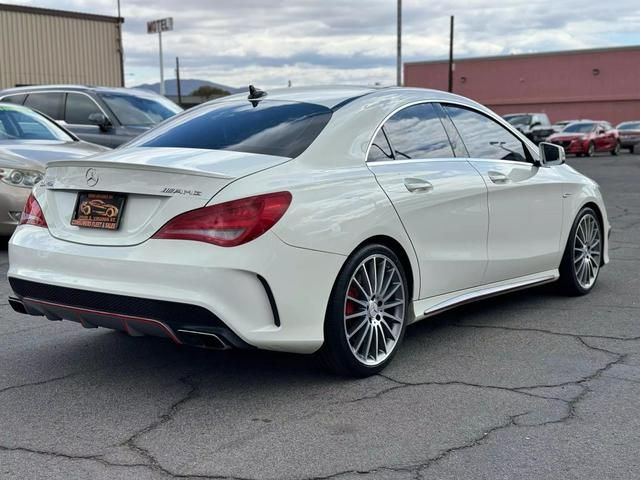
(484, 137)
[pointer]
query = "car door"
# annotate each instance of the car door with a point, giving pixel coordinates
(441, 199)
(525, 200)
(78, 107)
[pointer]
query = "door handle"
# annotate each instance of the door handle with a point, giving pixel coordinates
(499, 178)
(417, 185)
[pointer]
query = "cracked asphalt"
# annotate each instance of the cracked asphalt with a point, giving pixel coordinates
(531, 385)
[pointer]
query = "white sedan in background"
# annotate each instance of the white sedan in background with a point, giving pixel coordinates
(306, 220)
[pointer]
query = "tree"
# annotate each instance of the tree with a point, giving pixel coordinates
(207, 91)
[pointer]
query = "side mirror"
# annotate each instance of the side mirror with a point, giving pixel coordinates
(100, 120)
(551, 154)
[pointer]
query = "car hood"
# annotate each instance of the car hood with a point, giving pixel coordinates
(36, 154)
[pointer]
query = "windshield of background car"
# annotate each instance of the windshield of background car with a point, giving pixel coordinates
(519, 119)
(139, 111)
(629, 126)
(282, 129)
(578, 128)
(22, 124)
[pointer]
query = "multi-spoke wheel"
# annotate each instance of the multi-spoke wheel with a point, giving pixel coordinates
(367, 312)
(583, 255)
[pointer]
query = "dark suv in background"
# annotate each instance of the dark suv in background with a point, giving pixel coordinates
(102, 115)
(536, 126)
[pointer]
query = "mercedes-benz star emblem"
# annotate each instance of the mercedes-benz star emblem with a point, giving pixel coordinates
(92, 177)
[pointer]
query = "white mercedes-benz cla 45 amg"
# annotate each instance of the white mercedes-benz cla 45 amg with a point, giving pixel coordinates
(306, 220)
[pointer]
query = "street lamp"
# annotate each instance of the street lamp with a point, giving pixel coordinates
(399, 40)
(159, 26)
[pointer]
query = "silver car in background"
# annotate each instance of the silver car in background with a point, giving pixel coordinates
(28, 141)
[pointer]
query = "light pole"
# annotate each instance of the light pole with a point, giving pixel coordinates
(121, 49)
(451, 55)
(399, 39)
(159, 26)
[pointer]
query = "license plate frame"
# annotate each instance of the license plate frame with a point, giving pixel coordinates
(98, 210)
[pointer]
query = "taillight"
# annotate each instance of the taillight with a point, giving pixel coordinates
(32, 213)
(231, 223)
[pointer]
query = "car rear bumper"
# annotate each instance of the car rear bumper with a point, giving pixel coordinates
(261, 294)
(629, 142)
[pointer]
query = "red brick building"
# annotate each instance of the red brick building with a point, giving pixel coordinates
(600, 84)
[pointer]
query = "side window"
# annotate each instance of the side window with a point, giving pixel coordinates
(380, 149)
(78, 108)
(48, 103)
(17, 99)
(417, 132)
(485, 138)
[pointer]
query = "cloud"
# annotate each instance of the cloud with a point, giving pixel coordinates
(347, 41)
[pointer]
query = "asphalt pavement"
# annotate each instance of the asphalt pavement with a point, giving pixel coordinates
(532, 385)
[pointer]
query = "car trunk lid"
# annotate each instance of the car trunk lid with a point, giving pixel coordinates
(158, 183)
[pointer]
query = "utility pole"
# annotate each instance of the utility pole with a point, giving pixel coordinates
(399, 38)
(121, 47)
(178, 81)
(451, 55)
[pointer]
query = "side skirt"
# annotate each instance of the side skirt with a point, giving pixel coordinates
(434, 305)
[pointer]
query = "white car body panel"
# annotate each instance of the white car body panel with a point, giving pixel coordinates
(222, 280)
(474, 238)
(532, 197)
(447, 222)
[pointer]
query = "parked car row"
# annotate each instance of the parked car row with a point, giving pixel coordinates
(106, 116)
(579, 137)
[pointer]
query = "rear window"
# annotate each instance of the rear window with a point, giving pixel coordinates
(271, 128)
(629, 126)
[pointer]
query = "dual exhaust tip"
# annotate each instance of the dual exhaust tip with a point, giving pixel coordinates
(194, 338)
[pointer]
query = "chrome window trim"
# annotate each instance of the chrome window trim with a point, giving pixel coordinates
(526, 142)
(417, 160)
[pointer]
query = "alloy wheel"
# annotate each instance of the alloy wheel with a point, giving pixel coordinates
(374, 309)
(587, 251)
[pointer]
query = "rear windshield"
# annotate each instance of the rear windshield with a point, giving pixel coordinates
(518, 119)
(271, 128)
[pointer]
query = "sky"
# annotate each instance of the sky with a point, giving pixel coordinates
(269, 43)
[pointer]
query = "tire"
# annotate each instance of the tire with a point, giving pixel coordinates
(590, 150)
(616, 149)
(582, 257)
(361, 335)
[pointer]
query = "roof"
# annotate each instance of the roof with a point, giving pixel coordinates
(80, 88)
(533, 55)
(328, 96)
(59, 13)
(335, 97)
